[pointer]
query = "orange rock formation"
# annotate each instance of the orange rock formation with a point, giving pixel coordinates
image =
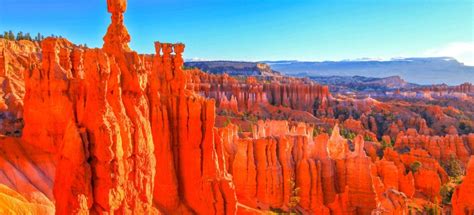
(463, 201)
(243, 95)
(114, 122)
(113, 131)
(330, 177)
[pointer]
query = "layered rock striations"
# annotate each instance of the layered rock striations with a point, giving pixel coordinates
(114, 122)
(26, 178)
(191, 180)
(108, 130)
(104, 147)
(462, 200)
(440, 147)
(328, 176)
(241, 95)
(15, 58)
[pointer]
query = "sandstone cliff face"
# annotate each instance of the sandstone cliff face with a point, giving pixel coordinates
(113, 131)
(243, 95)
(329, 177)
(191, 180)
(439, 147)
(26, 178)
(392, 116)
(105, 111)
(15, 58)
(80, 116)
(266, 171)
(12, 202)
(463, 196)
(331, 174)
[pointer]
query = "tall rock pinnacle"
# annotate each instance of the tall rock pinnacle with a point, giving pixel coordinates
(117, 37)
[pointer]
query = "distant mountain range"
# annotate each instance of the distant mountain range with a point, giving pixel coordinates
(233, 68)
(433, 70)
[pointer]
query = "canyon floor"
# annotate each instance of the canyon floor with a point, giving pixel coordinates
(111, 131)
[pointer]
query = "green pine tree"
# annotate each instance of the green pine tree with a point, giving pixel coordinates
(19, 36)
(27, 36)
(11, 36)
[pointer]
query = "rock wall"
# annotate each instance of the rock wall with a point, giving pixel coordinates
(440, 147)
(26, 178)
(15, 58)
(190, 180)
(463, 196)
(129, 137)
(328, 176)
(113, 131)
(240, 95)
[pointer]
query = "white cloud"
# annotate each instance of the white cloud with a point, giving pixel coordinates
(462, 51)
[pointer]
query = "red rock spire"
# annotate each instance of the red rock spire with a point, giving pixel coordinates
(117, 37)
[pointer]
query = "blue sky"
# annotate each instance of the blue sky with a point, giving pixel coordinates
(264, 29)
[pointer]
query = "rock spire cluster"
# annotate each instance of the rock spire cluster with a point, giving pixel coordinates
(111, 131)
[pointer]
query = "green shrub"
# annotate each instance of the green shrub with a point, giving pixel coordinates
(446, 193)
(453, 167)
(432, 209)
(294, 195)
(348, 134)
(367, 138)
(227, 122)
(415, 166)
(386, 145)
(316, 131)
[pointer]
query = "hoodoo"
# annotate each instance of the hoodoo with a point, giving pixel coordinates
(116, 122)
(111, 131)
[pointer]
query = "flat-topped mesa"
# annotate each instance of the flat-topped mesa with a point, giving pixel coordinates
(117, 38)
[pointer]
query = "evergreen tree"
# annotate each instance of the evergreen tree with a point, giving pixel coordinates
(27, 37)
(11, 36)
(6, 36)
(39, 37)
(19, 36)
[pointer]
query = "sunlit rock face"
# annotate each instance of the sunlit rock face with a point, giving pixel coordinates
(268, 168)
(15, 58)
(249, 94)
(108, 130)
(128, 136)
(463, 196)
